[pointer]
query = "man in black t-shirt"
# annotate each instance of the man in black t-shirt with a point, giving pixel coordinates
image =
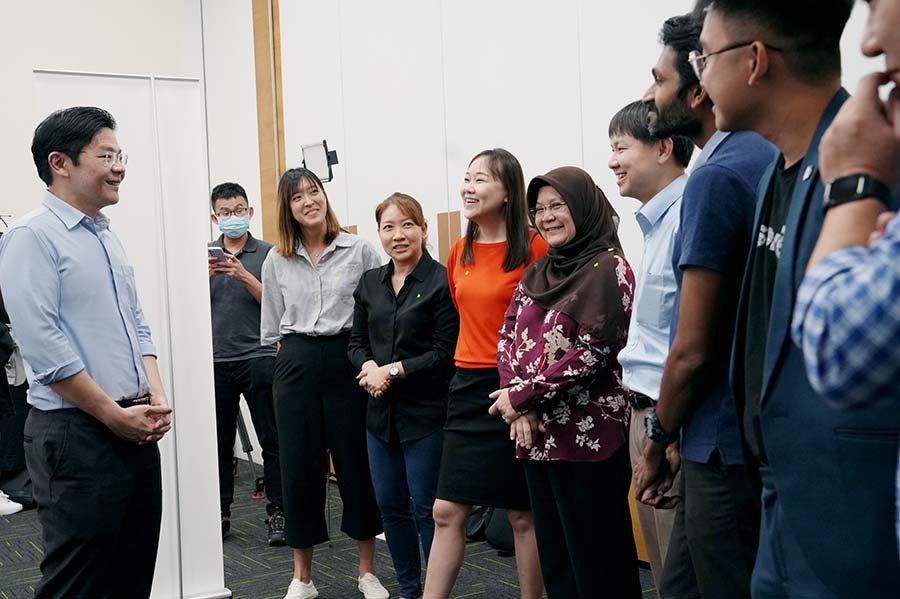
(774, 67)
(241, 365)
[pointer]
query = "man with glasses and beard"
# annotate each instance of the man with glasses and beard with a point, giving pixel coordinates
(713, 544)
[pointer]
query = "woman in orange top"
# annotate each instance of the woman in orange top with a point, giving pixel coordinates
(479, 464)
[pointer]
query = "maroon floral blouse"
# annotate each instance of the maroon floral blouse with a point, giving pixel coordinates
(554, 366)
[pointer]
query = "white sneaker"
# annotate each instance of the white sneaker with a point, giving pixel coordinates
(371, 587)
(301, 590)
(8, 506)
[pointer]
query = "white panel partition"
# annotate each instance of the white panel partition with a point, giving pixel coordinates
(164, 227)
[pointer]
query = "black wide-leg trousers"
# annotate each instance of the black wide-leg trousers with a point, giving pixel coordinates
(319, 407)
(583, 527)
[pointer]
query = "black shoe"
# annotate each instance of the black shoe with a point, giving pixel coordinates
(276, 529)
(226, 526)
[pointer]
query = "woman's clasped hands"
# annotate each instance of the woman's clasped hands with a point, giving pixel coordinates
(523, 426)
(374, 379)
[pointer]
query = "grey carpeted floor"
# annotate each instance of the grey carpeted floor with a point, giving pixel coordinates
(254, 570)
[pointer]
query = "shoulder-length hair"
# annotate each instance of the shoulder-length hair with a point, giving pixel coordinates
(408, 206)
(290, 233)
(505, 167)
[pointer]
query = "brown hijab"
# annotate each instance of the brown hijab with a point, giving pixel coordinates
(579, 278)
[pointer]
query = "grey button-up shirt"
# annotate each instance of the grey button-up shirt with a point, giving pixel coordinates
(314, 300)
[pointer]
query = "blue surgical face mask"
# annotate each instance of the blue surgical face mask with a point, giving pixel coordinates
(234, 226)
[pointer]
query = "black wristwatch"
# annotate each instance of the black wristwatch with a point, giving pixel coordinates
(654, 431)
(856, 187)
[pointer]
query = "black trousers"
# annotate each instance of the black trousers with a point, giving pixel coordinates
(99, 503)
(717, 529)
(253, 379)
(583, 527)
(319, 407)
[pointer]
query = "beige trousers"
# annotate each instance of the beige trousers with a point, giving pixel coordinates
(656, 525)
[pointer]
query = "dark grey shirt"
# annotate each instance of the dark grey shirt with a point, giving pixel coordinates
(235, 312)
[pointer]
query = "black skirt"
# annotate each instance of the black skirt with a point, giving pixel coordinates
(479, 465)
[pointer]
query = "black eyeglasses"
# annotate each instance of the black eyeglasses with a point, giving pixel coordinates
(698, 61)
(226, 213)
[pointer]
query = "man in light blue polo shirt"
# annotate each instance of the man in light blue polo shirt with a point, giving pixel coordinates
(98, 402)
(652, 172)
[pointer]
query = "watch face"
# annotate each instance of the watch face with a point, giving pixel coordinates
(845, 187)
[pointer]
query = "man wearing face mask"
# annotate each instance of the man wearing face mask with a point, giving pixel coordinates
(242, 366)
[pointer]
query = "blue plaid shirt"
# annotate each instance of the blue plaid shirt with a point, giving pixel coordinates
(847, 322)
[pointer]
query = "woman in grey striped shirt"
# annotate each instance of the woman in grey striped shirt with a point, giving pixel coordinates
(307, 304)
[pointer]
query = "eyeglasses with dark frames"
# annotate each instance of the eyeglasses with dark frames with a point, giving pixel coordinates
(226, 213)
(698, 61)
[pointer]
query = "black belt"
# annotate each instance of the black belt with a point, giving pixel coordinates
(639, 401)
(144, 400)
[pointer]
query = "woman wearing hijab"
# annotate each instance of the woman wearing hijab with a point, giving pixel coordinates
(561, 392)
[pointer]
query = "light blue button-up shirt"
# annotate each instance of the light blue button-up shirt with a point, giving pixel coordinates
(645, 354)
(71, 297)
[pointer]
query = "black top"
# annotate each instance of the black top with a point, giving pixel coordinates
(235, 312)
(417, 327)
(766, 254)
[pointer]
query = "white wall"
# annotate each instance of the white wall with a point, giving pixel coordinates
(231, 98)
(89, 35)
(232, 115)
(162, 218)
(408, 91)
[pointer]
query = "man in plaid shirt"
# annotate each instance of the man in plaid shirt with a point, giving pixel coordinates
(847, 314)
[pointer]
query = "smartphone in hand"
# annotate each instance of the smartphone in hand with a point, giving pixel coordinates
(216, 253)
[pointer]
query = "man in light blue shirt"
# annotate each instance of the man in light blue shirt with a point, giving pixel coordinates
(652, 172)
(98, 402)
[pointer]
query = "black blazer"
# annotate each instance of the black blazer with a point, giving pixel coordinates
(834, 469)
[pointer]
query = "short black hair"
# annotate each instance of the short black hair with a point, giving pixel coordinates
(224, 191)
(682, 34)
(808, 31)
(632, 120)
(68, 131)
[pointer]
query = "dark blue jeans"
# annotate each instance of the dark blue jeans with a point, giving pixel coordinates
(405, 478)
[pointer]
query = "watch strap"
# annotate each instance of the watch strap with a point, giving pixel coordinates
(855, 187)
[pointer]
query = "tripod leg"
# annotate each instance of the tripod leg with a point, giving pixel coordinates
(246, 446)
(328, 496)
